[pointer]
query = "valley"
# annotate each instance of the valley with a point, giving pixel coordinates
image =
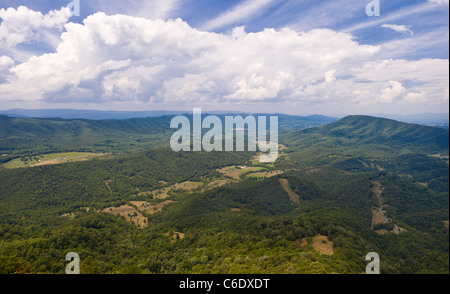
(128, 204)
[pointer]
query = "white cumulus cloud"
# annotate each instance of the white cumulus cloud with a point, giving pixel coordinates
(131, 60)
(24, 25)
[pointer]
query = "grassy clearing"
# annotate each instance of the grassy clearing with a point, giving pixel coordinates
(164, 192)
(266, 174)
(51, 158)
(148, 208)
(134, 213)
(216, 183)
(378, 190)
(174, 236)
(320, 243)
(442, 156)
(228, 174)
(236, 172)
(378, 217)
(130, 213)
(294, 197)
(398, 230)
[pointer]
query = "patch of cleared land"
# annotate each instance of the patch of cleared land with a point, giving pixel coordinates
(446, 224)
(378, 190)
(228, 174)
(134, 213)
(381, 231)
(69, 215)
(320, 243)
(107, 185)
(397, 230)
(164, 192)
(378, 217)
(146, 207)
(174, 236)
(312, 170)
(51, 158)
(130, 213)
(441, 156)
(266, 174)
(423, 184)
(236, 172)
(294, 197)
(216, 183)
(376, 166)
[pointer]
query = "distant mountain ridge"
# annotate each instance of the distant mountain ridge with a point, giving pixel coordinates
(20, 135)
(363, 130)
(85, 114)
(435, 119)
(23, 135)
(120, 115)
(421, 118)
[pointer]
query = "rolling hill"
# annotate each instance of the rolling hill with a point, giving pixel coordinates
(361, 184)
(31, 136)
(360, 130)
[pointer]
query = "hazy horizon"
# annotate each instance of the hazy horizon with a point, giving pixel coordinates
(121, 114)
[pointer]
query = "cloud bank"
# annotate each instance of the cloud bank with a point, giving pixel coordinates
(127, 59)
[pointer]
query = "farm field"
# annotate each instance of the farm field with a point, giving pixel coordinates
(164, 192)
(51, 158)
(229, 174)
(235, 172)
(130, 214)
(134, 213)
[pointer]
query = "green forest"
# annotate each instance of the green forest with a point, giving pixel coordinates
(362, 184)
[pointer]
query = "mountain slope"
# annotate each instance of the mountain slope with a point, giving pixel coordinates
(24, 136)
(360, 130)
(20, 136)
(342, 174)
(363, 143)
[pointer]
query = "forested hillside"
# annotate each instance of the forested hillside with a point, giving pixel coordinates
(31, 136)
(336, 193)
(21, 137)
(358, 130)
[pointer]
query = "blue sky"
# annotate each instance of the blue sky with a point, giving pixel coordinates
(341, 15)
(398, 65)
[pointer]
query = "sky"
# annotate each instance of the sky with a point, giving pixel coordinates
(331, 57)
